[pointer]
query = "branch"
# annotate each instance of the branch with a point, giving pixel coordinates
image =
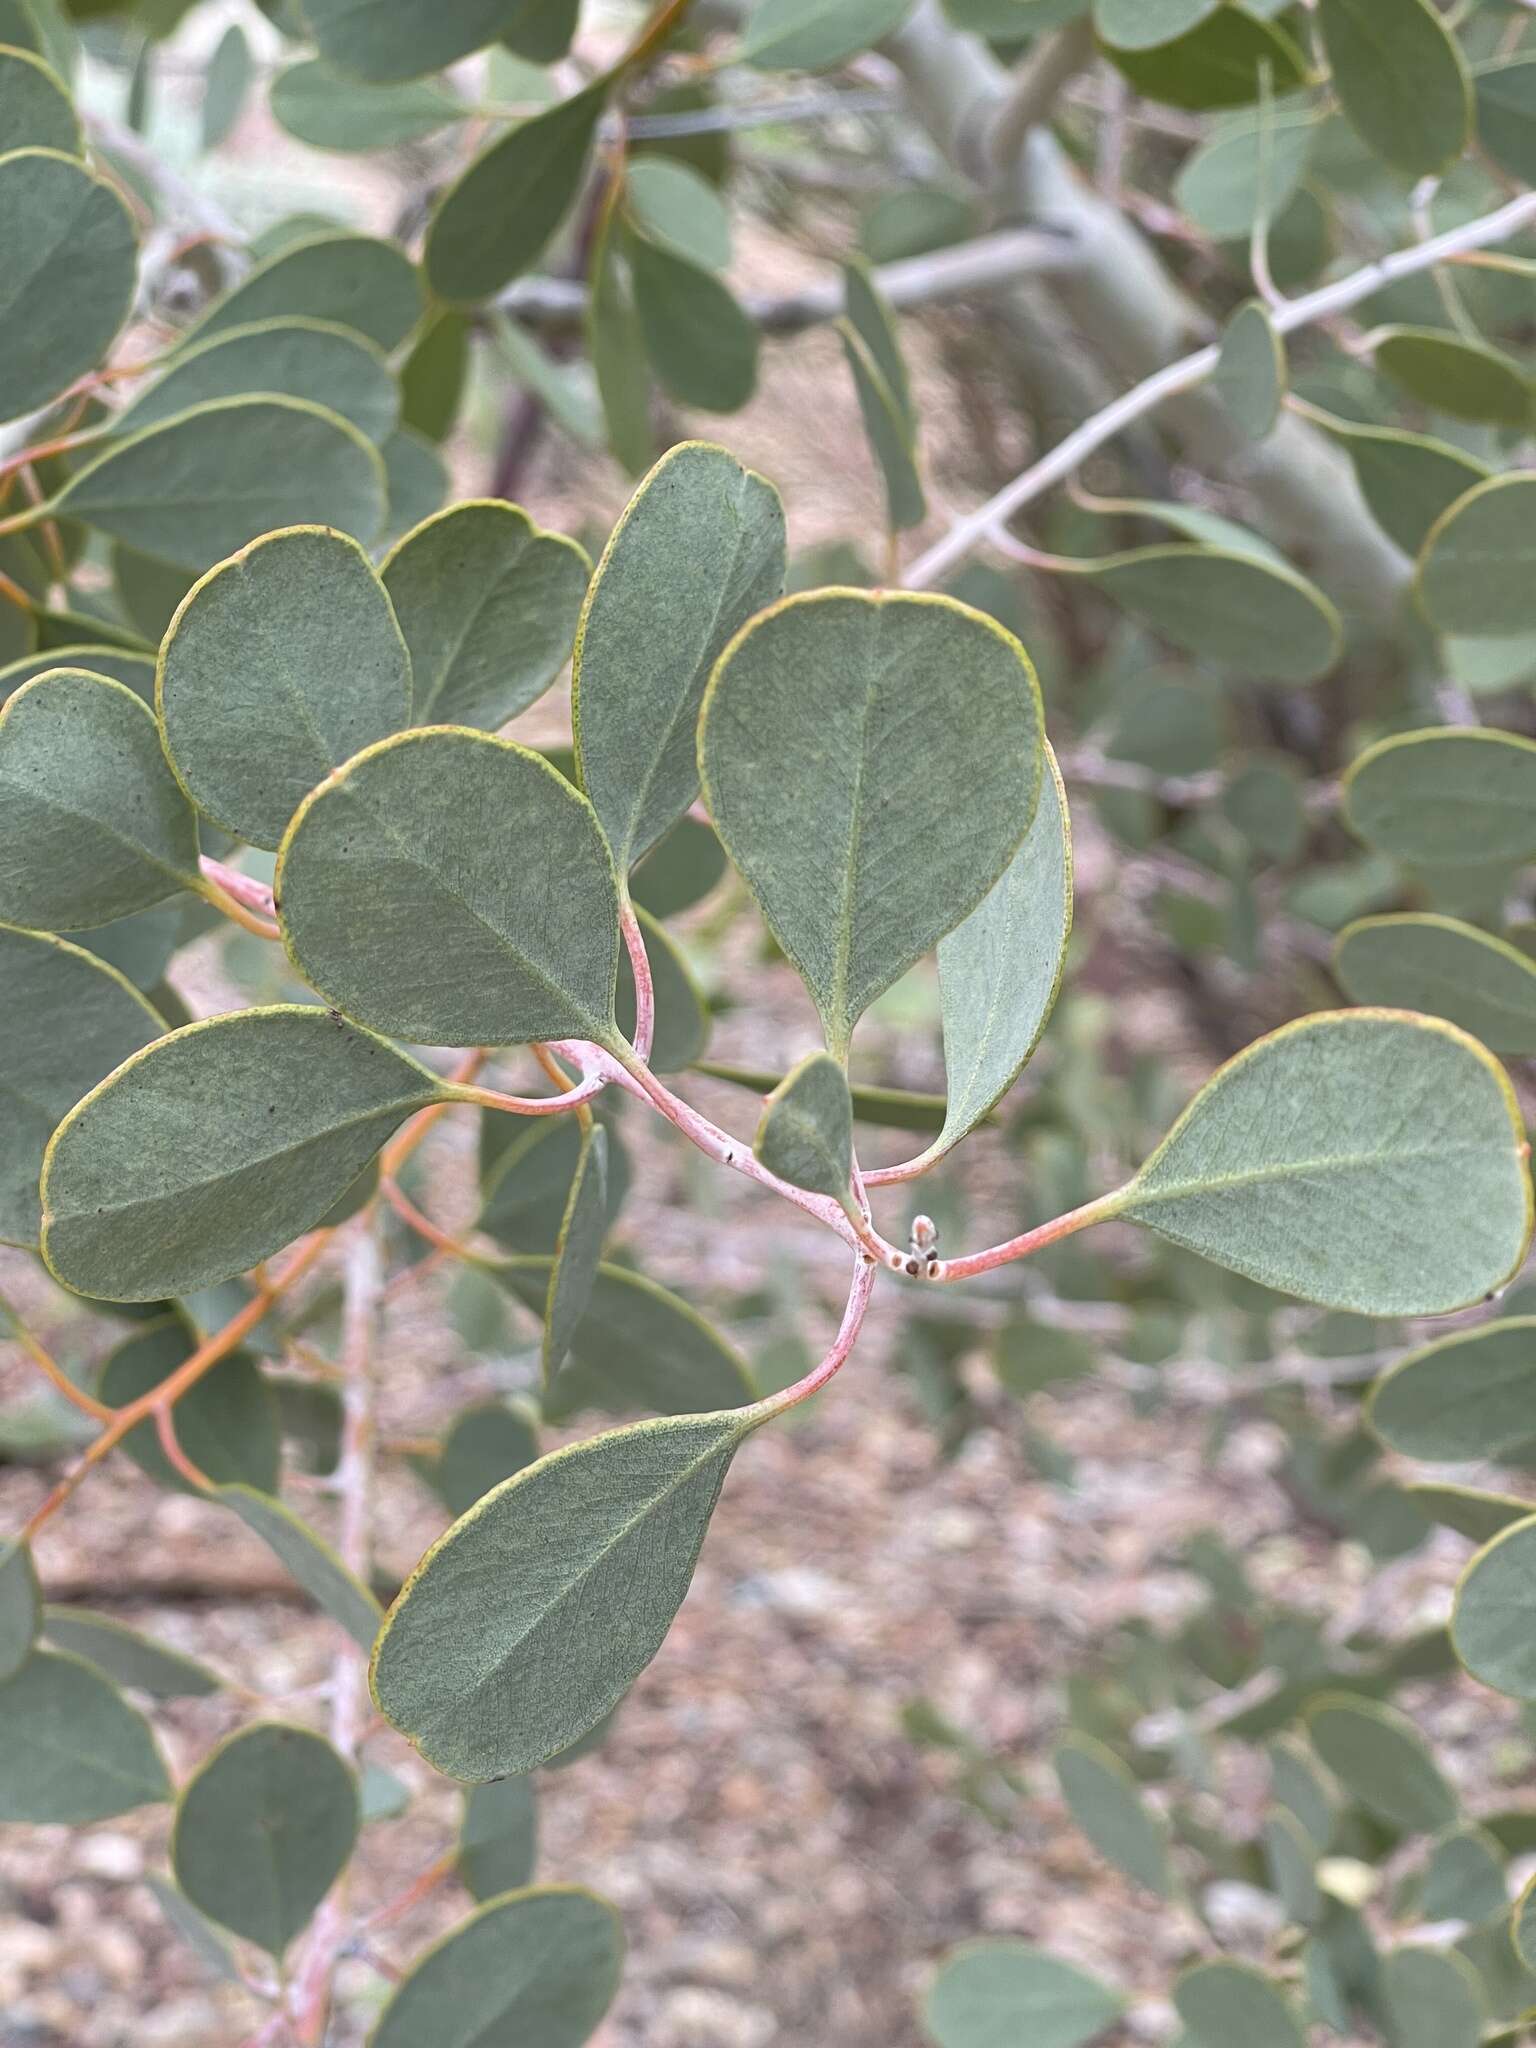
(1192, 370)
(990, 263)
(1040, 84)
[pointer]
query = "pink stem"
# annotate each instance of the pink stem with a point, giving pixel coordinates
(243, 888)
(645, 988)
(853, 1319)
(536, 1105)
(909, 1169)
(1036, 1240)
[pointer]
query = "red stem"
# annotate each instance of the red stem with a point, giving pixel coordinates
(645, 987)
(1098, 1211)
(847, 1336)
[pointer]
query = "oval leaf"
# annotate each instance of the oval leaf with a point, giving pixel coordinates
(536, 1612)
(385, 40)
(1363, 1160)
(1453, 375)
(93, 825)
(1381, 1759)
(1454, 797)
(699, 549)
(128, 1658)
(1467, 1396)
(310, 359)
(75, 1751)
(35, 109)
(996, 1994)
(71, 264)
(197, 487)
(805, 1135)
(1474, 575)
(701, 343)
(279, 665)
(578, 1250)
(498, 1844)
(66, 1020)
(353, 280)
(215, 1147)
(843, 736)
(1222, 2003)
(312, 1563)
(319, 105)
(1434, 1997)
(488, 604)
(1250, 372)
(458, 943)
(496, 220)
(1401, 80)
(1408, 480)
(536, 1966)
(263, 1830)
(1103, 1799)
(1257, 618)
(1227, 60)
(21, 1607)
(815, 35)
(1447, 968)
(1493, 1624)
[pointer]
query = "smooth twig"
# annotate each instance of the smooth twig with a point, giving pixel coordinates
(51, 1370)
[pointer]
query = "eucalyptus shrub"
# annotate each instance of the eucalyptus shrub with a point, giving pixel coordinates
(255, 681)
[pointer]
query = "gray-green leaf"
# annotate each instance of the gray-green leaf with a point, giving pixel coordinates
(1461, 796)
(1378, 1755)
(1450, 969)
(1400, 77)
(805, 1135)
(1000, 1994)
(536, 1612)
(872, 763)
(1471, 1395)
(75, 1751)
(71, 260)
(215, 1147)
(1104, 1801)
(1367, 1160)
(1493, 1624)
(312, 1563)
(393, 903)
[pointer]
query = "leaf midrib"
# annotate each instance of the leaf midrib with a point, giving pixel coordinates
(1137, 1196)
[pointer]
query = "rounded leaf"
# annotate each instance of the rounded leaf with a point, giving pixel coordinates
(454, 889)
(215, 1147)
(997, 1994)
(352, 280)
(1451, 374)
(1257, 618)
(1493, 1624)
(805, 1134)
(1434, 1997)
(263, 1830)
(535, 1613)
(872, 763)
(385, 40)
(1472, 1395)
(92, 823)
(1460, 796)
(35, 108)
(1400, 78)
(316, 360)
(1474, 572)
(1104, 1801)
(75, 1751)
(815, 35)
(488, 604)
(1381, 1759)
(21, 1607)
(71, 263)
(1251, 370)
(538, 1966)
(1366, 1160)
(126, 1657)
(279, 665)
(698, 550)
(1447, 968)
(1223, 2003)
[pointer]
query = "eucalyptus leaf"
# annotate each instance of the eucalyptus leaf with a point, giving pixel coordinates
(1104, 1801)
(1223, 2002)
(317, 360)
(699, 550)
(202, 484)
(1000, 969)
(317, 104)
(1408, 480)
(701, 342)
(35, 109)
(457, 947)
(805, 1135)
(486, 1444)
(226, 1423)
(1465, 378)
(1400, 77)
(1453, 797)
(533, 1616)
(387, 40)
(578, 1251)
(135, 672)
(75, 1751)
(1493, 1624)
(488, 603)
(1465, 1878)
(1506, 115)
(495, 221)
(498, 1843)
(21, 1607)
(263, 1829)
(1444, 967)
(890, 436)
(279, 665)
(1435, 1999)
(312, 1563)
(1253, 617)
(527, 1181)
(93, 825)
(1366, 1160)
(1381, 1759)
(1466, 1396)
(127, 1657)
(1143, 24)
(999, 1993)
(1468, 1510)
(674, 204)
(538, 1966)
(353, 281)
(1248, 166)
(872, 765)
(637, 1346)
(1289, 1856)
(216, 1146)
(1251, 370)
(1474, 573)
(1226, 60)
(65, 1020)
(816, 35)
(71, 263)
